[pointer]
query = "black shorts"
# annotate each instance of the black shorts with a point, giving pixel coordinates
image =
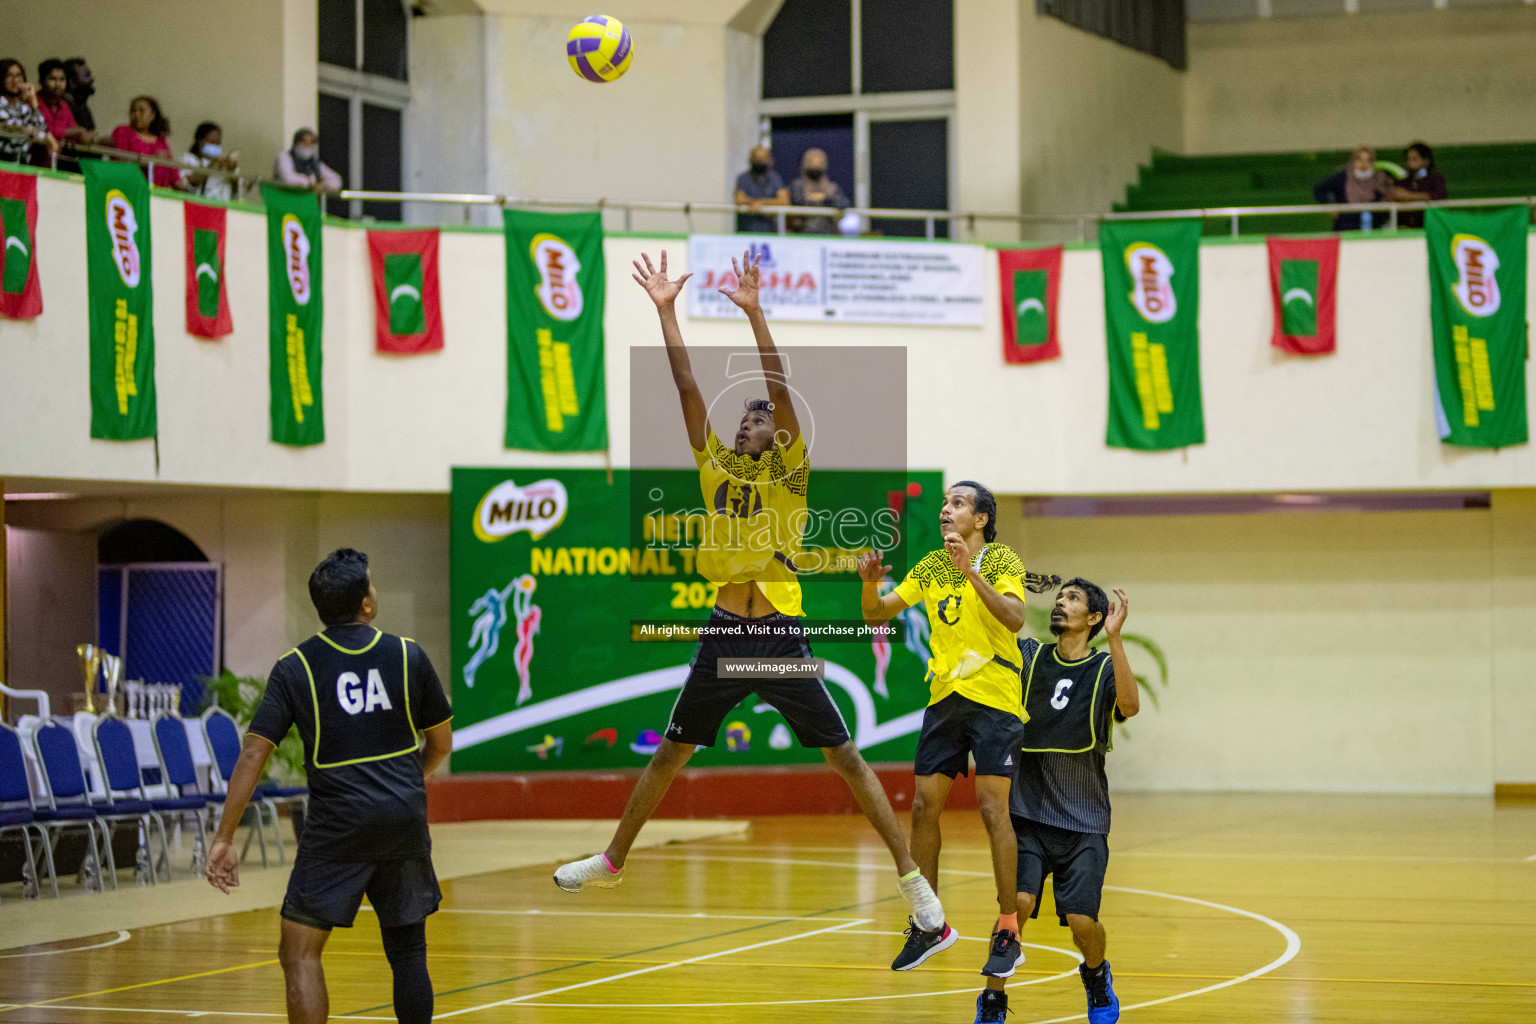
(326, 893)
(706, 698)
(1076, 862)
(956, 727)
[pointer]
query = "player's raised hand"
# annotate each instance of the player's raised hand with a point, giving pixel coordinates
(870, 569)
(1117, 611)
(745, 294)
(959, 554)
(662, 291)
(223, 869)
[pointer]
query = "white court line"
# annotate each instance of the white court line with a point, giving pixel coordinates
(982, 851)
(1531, 858)
(122, 936)
(646, 970)
(631, 913)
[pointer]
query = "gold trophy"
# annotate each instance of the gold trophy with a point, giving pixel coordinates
(90, 666)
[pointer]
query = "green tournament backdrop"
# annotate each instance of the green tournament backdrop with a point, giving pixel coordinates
(553, 584)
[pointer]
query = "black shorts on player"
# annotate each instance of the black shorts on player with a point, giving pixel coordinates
(707, 698)
(325, 894)
(1076, 862)
(957, 728)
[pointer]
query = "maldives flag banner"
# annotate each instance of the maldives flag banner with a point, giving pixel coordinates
(1151, 316)
(122, 326)
(1303, 287)
(295, 312)
(1477, 268)
(1029, 282)
(21, 296)
(556, 394)
(207, 299)
(407, 303)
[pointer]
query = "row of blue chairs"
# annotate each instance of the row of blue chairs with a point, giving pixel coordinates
(66, 801)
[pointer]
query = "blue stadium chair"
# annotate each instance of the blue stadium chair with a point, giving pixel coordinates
(120, 775)
(178, 770)
(224, 742)
(16, 809)
(68, 800)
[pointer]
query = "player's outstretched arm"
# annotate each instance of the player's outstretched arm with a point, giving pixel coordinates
(223, 870)
(664, 293)
(746, 295)
(1127, 693)
(877, 608)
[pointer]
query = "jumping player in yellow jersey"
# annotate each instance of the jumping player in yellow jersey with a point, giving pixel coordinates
(973, 590)
(755, 496)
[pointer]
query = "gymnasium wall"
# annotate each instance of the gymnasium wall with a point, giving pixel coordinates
(248, 64)
(1449, 76)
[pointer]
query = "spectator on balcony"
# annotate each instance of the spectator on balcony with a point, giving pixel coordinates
(19, 113)
(207, 152)
(1423, 184)
(1361, 181)
(814, 188)
(759, 187)
(301, 166)
(145, 134)
(53, 104)
(82, 85)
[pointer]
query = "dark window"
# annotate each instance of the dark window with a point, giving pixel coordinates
(335, 129)
(906, 45)
(1154, 27)
(909, 170)
(833, 133)
(381, 159)
(338, 32)
(807, 51)
(384, 39)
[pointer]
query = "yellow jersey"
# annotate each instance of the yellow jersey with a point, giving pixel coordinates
(974, 655)
(755, 518)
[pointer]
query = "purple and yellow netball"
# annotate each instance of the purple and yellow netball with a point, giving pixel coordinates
(599, 49)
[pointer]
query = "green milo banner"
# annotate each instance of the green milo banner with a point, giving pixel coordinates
(121, 304)
(295, 311)
(1151, 318)
(556, 395)
(1477, 261)
(558, 607)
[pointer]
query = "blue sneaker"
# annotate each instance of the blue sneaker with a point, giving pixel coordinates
(991, 1006)
(1103, 1004)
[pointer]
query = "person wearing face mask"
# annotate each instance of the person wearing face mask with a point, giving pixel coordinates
(1423, 184)
(301, 164)
(1361, 181)
(757, 188)
(814, 188)
(208, 152)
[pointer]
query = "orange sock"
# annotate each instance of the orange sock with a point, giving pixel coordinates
(1009, 922)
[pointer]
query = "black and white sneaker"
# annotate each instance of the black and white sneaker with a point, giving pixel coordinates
(1004, 956)
(921, 945)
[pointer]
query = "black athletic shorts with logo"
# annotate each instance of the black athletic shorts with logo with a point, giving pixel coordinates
(1076, 862)
(956, 728)
(706, 698)
(326, 893)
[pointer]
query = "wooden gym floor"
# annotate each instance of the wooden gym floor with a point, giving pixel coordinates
(1219, 908)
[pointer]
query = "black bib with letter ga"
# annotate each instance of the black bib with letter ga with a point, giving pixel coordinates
(1062, 698)
(361, 699)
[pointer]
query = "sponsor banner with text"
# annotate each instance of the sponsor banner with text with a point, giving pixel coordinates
(1029, 283)
(295, 310)
(21, 296)
(1303, 286)
(407, 302)
(207, 298)
(838, 280)
(1477, 268)
(1151, 317)
(556, 392)
(121, 305)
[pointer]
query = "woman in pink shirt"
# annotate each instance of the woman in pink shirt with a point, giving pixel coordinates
(145, 133)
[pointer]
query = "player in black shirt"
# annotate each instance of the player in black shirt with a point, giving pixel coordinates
(1060, 797)
(358, 696)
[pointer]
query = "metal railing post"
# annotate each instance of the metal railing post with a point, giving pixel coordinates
(629, 218)
(783, 221)
(1082, 229)
(928, 228)
(1392, 217)
(1234, 225)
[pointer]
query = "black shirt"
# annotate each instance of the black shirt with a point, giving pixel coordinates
(367, 796)
(82, 111)
(1071, 707)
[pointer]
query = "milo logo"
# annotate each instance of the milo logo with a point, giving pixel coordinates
(296, 258)
(122, 226)
(507, 508)
(1151, 282)
(1477, 265)
(558, 291)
